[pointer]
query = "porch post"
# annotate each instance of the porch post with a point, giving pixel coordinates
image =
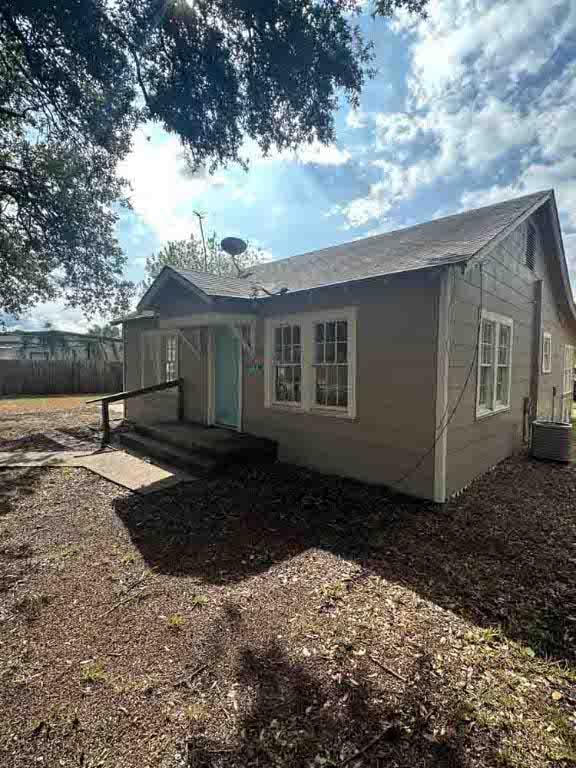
(180, 399)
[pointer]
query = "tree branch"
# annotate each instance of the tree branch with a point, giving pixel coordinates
(120, 32)
(12, 113)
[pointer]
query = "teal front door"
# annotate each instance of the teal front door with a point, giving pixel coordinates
(226, 378)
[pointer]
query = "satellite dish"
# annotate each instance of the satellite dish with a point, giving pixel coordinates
(233, 245)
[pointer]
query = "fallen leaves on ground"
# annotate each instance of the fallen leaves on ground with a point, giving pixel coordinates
(272, 616)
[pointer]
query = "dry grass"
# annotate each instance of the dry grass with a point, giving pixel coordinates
(275, 617)
(43, 403)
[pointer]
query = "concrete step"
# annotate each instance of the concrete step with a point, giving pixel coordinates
(194, 461)
(224, 446)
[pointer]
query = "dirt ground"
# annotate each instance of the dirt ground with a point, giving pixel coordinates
(272, 616)
(42, 403)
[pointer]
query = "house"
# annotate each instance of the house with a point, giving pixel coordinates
(415, 359)
(59, 345)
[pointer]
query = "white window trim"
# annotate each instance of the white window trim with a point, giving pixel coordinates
(306, 321)
(567, 383)
(160, 369)
(482, 412)
(546, 338)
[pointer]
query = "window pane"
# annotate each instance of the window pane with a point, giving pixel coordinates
(332, 398)
(278, 354)
(321, 375)
(319, 353)
(486, 355)
(342, 352)
(297, 392)
(342, 376)
(330, 352)
(331, 378)
(280, 388)
(320, 332)
(486, 379)
(487, 332)
(503, 355)
(286, 335)
(504, 336)
(342, 330)
(278, 337)
(287, 355)
(343, 398)
(330, 331)
(502, 385)
(296, 354)
(295, 334)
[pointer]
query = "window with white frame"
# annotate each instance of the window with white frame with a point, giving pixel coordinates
(310, 362)
(171, 357)
(494, 364)
(568, 383)
(547, 353)
(287, 364)
(331, 363)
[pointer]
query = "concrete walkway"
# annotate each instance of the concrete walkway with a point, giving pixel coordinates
(122, 468)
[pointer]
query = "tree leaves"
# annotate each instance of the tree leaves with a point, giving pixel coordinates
(78, 76)
(189, 254)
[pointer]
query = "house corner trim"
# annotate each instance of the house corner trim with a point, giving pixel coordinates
(442, 363)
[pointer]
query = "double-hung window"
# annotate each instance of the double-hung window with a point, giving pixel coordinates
(287, 364)
(331, 363)
(568, 383)
(494, 364)
(170, 357)
(310, 362)
(546, 353)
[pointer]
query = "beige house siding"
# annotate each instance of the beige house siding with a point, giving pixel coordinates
(396, 380)
(510, 289)
(401, 375)
(555, 321)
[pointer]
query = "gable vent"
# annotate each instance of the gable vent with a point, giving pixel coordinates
(530, 248)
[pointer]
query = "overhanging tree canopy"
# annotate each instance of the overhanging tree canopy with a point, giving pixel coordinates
(77, 77)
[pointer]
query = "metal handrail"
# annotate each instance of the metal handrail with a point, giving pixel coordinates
(129, 393)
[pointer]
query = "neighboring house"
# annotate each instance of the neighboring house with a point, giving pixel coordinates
(59, 345)
(415, 359)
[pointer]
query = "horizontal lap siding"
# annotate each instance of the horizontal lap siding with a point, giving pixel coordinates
(555, 322)
(509, 289)
(396, 383)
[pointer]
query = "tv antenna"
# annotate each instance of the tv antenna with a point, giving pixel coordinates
(200, 218)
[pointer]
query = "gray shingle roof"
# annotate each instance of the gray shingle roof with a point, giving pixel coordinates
(216, 285)
(453, 238)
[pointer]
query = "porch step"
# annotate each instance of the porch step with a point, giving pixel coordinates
(223, 446)
(194, 461)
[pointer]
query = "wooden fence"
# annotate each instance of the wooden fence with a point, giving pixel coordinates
(59, 377)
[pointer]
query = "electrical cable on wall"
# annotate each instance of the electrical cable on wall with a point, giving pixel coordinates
(445, 423)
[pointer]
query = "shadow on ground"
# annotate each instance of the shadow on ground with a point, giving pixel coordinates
(499, 555)
(298, 721)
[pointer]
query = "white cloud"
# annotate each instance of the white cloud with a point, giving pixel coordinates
(314, 153)
(466, 115)
(356, 118)
(473, 40)
(320, 154)
(163, 193)
(61, 317)
(560, 176)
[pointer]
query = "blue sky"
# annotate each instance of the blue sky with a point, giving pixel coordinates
(473, 105)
